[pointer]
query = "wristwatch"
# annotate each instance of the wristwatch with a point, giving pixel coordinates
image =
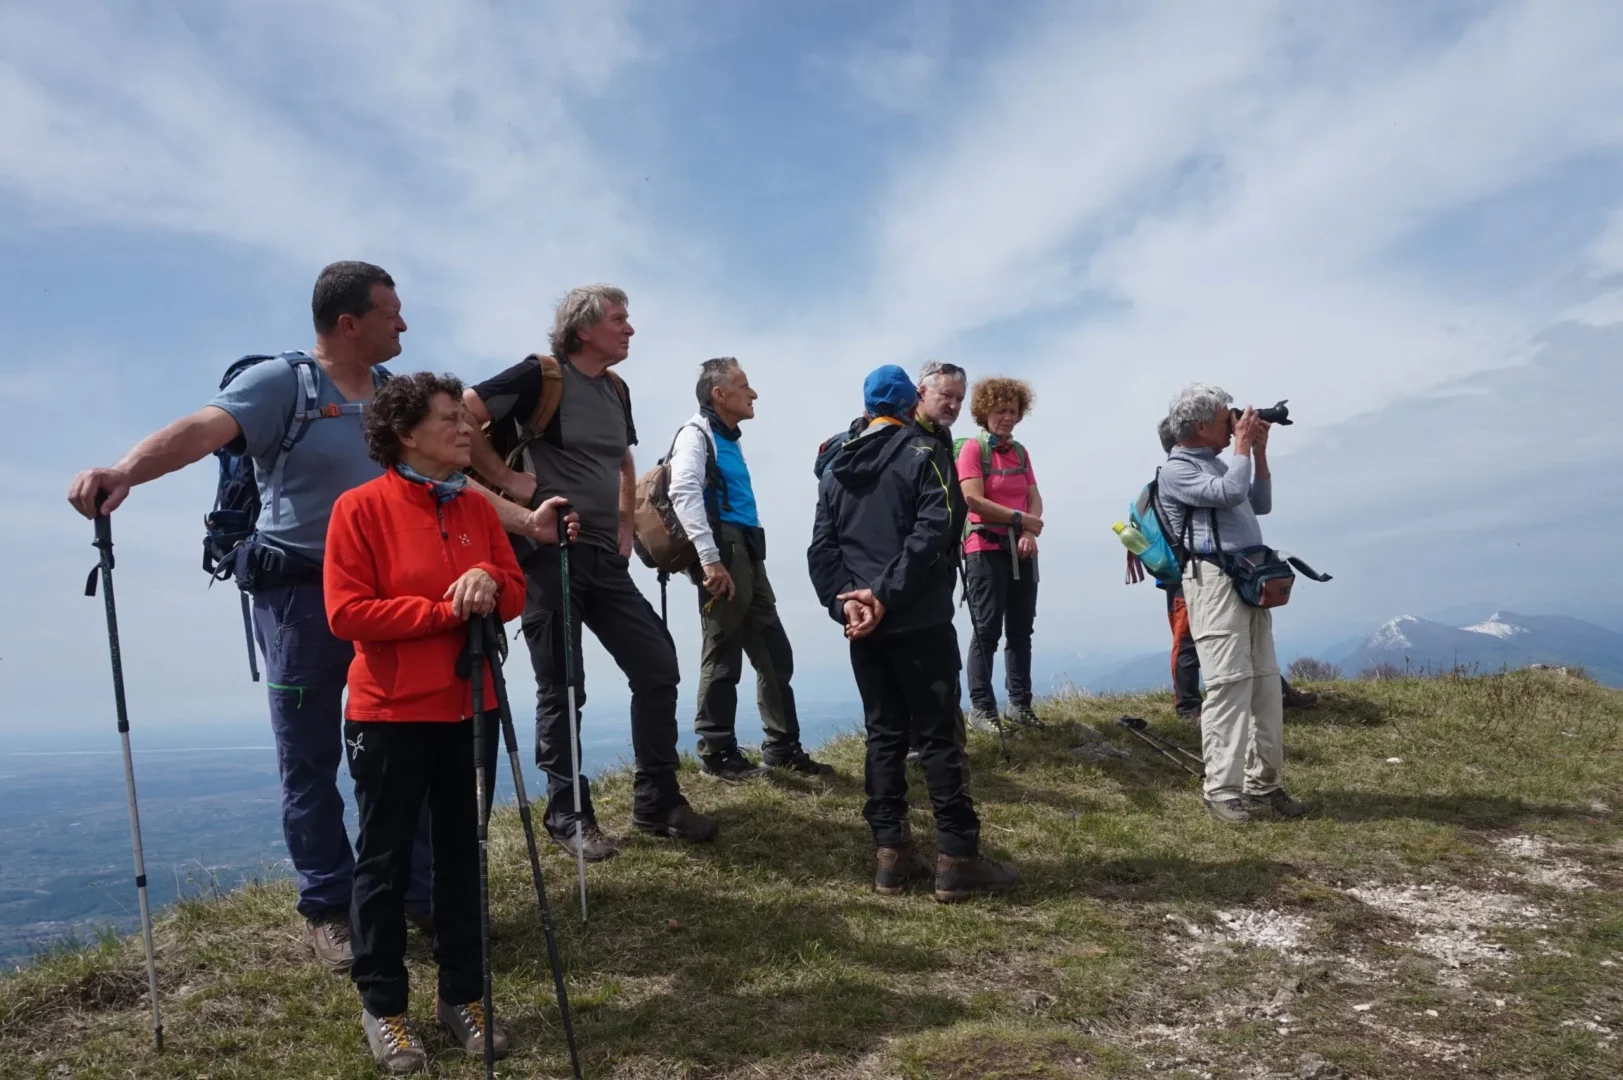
(1017, 519)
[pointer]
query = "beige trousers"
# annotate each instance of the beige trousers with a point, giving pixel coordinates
(1242, 722)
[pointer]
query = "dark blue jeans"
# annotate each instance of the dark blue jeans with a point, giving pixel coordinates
(305, 671)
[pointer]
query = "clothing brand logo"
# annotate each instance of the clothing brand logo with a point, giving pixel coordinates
(355, 746)
(465, 540)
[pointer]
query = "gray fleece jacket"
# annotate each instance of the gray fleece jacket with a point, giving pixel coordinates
(1195, 482)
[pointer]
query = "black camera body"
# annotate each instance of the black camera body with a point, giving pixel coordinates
(1274, 414)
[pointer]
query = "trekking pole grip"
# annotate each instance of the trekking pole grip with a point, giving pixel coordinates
(563, 510)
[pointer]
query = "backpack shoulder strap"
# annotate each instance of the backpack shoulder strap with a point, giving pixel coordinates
(624, 392)
(305, 410)
(985, 440)
(551, 396)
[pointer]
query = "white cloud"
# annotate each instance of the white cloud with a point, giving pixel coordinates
(1117, 200)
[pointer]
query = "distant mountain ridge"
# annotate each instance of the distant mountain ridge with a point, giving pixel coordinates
(1504, 639)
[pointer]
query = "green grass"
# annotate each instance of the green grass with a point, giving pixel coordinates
(766, 954)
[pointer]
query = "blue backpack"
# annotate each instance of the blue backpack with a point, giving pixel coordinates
(1160, 558)
(237, 500)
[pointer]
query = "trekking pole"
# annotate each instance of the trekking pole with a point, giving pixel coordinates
(499, 684)
(569, 682)
(1014, 549)
(1166, 748)
(664, 614)
(104, 542)
(476, 675)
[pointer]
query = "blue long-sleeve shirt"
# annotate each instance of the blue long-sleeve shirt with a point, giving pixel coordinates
(1198, 479)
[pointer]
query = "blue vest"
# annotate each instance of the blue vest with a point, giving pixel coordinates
(740, 508)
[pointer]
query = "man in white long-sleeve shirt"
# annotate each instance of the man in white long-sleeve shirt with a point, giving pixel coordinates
(1212, 507)
(712, 497)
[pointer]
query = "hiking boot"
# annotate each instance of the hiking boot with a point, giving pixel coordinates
(731, 766)
(596, 844)
(978, 719)
(1023, 716)
(466, 1024)
(421, 921)
(394, 1045)
(678, 823)
(896, 867)
(958, 877)
(329, 936)
(1276, 804)
(1301, 699)
(1234, 811)
(1192, 712)
(798, 762)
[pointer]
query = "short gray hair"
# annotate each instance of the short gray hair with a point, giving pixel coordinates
(1164, 431)
(941, 369)
(582, 308)
(1194, 405)
(714, 375)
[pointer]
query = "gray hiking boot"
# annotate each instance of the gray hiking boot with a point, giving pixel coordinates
(981, 720)
(394, 1045)
(597, 845)
(731, 766)
(678, 823)
(959, 877)
(1023, 716)
(466, 1024)
(329, 936)
(896, 867)
(1235, 811)
(1276, 804)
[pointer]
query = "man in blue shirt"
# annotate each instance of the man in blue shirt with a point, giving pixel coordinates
(711, 494)
(358, 326)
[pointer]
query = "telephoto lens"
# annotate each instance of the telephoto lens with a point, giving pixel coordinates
(1274, 414)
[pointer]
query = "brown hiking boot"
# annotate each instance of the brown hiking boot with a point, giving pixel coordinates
(1276, 803)
(958, 877)
(467, 1025)
(594, 841)
(329, 937)
(679, 823)
(1235, 811)
(394, 1045)
(896, 867)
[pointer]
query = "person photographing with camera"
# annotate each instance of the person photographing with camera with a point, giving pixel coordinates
(1211, 510)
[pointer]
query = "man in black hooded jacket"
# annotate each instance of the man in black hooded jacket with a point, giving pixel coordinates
(881, 560)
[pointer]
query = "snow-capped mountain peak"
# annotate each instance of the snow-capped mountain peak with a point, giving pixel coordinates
(1497, 627)
(1391, 635)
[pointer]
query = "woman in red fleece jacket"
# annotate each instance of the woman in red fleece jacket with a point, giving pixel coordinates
(410, 557)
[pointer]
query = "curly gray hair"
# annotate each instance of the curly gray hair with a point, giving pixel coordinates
(582, 308)
(1194, 405)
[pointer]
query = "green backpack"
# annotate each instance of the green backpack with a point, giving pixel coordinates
(987, 472)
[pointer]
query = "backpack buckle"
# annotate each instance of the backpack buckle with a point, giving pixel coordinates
(329, 411)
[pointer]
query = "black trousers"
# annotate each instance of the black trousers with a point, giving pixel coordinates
(909, 688)
(397, 767)
(1000, 607)
(604, 598)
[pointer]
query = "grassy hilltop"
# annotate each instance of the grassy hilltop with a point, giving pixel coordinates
(1452, 908)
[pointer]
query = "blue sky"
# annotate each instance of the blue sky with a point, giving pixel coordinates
(1406, 218)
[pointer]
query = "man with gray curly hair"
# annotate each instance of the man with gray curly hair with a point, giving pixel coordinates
(1212, 508)
(561, 425)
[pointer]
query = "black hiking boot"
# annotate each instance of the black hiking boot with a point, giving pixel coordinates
(678, 823)
(1300, 699)
(1276, 804)
(896, 867)
(959, 877)
(798, 761)
(731, 766)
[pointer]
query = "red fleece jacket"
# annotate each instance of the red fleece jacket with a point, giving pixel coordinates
(391, 554)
